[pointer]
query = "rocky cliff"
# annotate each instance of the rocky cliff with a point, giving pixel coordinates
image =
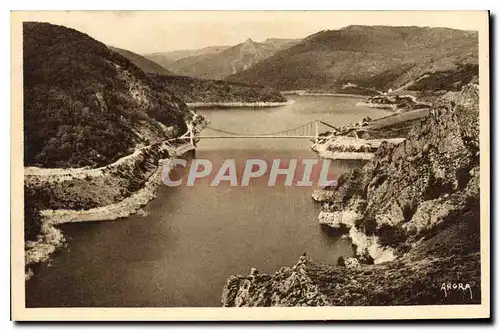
(412, 213)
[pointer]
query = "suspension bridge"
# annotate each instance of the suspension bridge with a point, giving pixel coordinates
(309, 130)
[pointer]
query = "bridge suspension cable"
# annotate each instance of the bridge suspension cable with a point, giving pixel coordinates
(306, 128)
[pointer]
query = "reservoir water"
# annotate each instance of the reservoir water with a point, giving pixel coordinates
(192, 238)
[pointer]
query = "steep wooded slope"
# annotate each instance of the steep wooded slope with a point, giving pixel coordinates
(86, 105)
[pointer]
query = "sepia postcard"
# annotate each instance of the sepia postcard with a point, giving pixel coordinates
(250, 165)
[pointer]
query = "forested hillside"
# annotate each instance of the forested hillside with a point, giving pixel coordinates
(380, 57)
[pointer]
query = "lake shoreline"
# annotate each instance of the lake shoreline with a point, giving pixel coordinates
(265, 104)
(157, 155)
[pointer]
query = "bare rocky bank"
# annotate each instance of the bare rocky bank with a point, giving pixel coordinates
(412, 213)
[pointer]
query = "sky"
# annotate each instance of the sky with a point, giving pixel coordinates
(162, 31)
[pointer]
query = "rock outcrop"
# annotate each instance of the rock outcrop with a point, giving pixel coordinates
(197, 92)
(342, 147)
(96, 132)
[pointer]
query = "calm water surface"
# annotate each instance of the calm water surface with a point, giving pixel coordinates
(193, 238)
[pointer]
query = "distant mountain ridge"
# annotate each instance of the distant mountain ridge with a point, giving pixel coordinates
(380, 57)
(228, 61)
(148, 66)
